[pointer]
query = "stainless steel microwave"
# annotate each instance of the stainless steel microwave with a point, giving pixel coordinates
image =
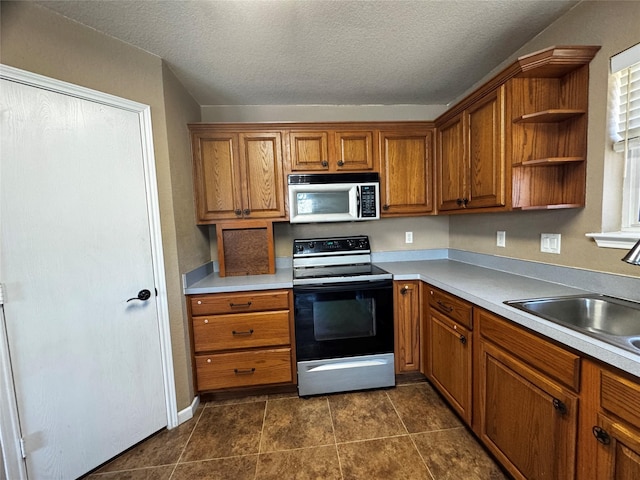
(333, 197)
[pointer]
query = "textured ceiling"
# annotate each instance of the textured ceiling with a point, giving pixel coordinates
(319, 52)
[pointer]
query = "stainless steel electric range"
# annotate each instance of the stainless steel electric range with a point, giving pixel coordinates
(343, 316)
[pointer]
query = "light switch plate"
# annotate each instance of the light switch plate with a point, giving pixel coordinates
(408, 237)
(501, 238)
(550, 242)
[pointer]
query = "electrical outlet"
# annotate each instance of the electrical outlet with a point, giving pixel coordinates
(550, 242)
(408, 237)
(501, 238)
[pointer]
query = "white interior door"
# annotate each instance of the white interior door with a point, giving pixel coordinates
(75, 246)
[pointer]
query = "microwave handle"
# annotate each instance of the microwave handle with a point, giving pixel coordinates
(358, 213)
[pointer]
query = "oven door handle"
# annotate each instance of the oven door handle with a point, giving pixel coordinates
(341, 287)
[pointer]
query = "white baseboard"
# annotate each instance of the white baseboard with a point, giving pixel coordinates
(188, 413)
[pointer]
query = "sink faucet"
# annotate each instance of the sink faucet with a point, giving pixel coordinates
(633, 257)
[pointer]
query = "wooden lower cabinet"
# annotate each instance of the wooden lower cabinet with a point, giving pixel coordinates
(242, 339)
(529, 419)
(617, 429)
(449, 348)
(406, 298)
(528, 422)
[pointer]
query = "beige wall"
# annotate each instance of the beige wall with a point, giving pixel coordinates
(40, 41)
(614, 26)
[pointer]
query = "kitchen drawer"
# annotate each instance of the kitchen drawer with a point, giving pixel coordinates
(451, 306)
(620, 396)
(553, 361)
(241, 330)
(220, 303)
(242, 369)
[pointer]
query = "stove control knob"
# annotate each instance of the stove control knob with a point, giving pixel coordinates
(312, 245)
(351, 243)
(299, 248)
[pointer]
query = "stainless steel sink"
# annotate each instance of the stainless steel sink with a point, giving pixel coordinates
(610, 319)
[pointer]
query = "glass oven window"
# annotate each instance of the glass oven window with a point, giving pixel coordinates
(342, 319)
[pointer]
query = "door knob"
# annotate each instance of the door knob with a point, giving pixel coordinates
(143, 295)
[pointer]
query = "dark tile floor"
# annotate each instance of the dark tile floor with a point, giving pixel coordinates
(403, 433)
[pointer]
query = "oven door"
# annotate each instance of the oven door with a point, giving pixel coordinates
(343, 319)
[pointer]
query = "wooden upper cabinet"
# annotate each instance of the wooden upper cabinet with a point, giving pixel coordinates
(451, 164)
(406, 166)
(331, 150)
(519, 141)
(237, 175)
(471, 167)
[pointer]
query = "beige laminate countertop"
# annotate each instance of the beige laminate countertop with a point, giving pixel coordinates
(484, 287)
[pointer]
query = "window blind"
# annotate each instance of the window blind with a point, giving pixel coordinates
(627, 68)
(629, 108)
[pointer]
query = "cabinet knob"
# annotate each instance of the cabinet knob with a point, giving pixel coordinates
(404, 289)
(340, 163)
(463, 339)
(459, 202)
(199, 302)
(238, 212)
(206, 320)
(325, 163)
(559, 406)
(465, 201)
(246, 211)
(208, 360)
(385, 207)
(601, 435)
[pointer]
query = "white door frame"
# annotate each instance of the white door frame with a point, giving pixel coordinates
(9, 420)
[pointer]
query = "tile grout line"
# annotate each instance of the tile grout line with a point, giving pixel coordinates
(335, 439)
(410, 436)
(264, 421)
(184, 449)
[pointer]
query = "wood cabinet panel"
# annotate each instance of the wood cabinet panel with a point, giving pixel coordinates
(263, 188)
(619, 459)
(354, 150)
(220, 303)
(406, 297)
(242, 369)
(309, 150)
(453, 307)
(620, 397)
(237, 174)
(451, 164)
(528, 421)
(406, 166)
(486, 174)
(555, 362)
(241, 330)
(450, 351)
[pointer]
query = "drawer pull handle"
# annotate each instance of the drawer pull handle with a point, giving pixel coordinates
(239, 305)
(248, 332)
(601, 435)
(444, 306)
(463, 339)
(244, 371)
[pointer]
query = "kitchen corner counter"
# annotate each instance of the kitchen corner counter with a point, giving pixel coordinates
(489, 288)
(214, 283)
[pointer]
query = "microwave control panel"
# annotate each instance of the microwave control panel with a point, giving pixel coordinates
(368, 201)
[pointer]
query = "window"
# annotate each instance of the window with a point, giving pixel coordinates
(622, 195)
(627, 137)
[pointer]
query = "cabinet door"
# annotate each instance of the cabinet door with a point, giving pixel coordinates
(406, 172)
(618, 451)
(450, 167)
(353, 150)
(309, 150)
(528, 421)
(217, 180)
(407, 326)
(262, 185)
(485, 177)
(450, 361)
